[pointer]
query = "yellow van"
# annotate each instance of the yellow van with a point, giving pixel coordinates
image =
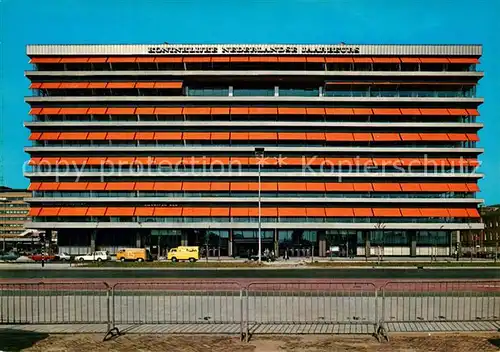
(134, 254)
(184, 253)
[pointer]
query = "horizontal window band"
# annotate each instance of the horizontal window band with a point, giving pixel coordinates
(254, 186)
(248, 59)
(250, 110)
(253, 212)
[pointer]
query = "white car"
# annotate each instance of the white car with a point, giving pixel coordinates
(64, 257)
(99, 256)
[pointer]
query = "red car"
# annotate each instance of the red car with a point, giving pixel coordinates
(46, 257)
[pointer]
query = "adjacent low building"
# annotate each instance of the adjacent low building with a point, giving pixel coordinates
(314, 149)
(13, 215)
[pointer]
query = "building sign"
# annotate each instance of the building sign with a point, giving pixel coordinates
(254, 49)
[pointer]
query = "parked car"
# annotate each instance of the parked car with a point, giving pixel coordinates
(7, 256)
(99, 256)
(63, 257)
(37, 257)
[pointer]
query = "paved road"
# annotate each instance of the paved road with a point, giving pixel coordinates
(368, 273)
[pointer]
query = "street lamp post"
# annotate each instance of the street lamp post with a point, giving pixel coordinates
(259, 153)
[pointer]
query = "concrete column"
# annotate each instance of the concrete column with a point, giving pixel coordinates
(138, 242)
(322, 244)
(184, 239)
(276, 242)
(413, 243)
(230, 244)
(93, 236)
(366, 235)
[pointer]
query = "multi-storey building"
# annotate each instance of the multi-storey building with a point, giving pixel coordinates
(13, 214)
(351, 147)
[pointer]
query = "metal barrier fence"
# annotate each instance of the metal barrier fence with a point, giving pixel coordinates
(311, 307)
(261, 307)
(55, 303)
(173, 303)
(440, 305)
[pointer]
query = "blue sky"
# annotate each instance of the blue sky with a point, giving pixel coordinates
(308, 21)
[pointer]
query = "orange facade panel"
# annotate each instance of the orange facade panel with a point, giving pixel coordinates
(292, 187)
(362, 60)
(122, 136)
(386, 60)
(168, 136)
(120, 211)
(219, 186)
(434, 60)
(122, 59)
(339, 59)
(434, 136)
(73, 136)
(292, 212)
(168, 211)
(120, 186)
(339, 111)
(50, 136)
(144, 211)
(363, 212)
(144, 85)
(120, 111)
(239, 110)
(196, 211)
(315, 136)
(296, 136)
(387, 111)
(386, 212)
(410, 111)
(220, 110)
(386, 137)
(410, 212)
(34, 211)
(120, 85)
(196, 136)
(168, 111)
(340, 137)
(239, 212)
(48, 186)
(339, 212)
(96, 211)
(168, 59)
(50, 111)
(457, 137)
(75, 211)
(410, 187)
(472, 137)
(434, 212)
(196, 111)
(219, 212)
(339, 187)
(386, 187)
(473, 213)
(168, 85)
(45, 60)
(262, 111)
(458, 213)
(48, 212)
(435, 112)
(472, 187)
(410, 137)
(167, 186)
(144, 186)
(292, 111)
(142, 136)
(315, 111)
(472, 112)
